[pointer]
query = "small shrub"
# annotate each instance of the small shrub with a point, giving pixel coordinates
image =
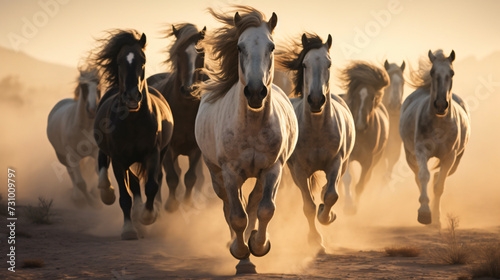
(489, 263)
(403, 251)
(33, 263)
(42, 213)
(453, 251)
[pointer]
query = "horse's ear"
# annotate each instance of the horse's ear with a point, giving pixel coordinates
(142, 41)
(403, 66)
(202, 32)
(237, 19)
(432, 57)
(272, 22)
(175, 31)
(386, 65)
(329, 41)
(451, 58)
(304, 40)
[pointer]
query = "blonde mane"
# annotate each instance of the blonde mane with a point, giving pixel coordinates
(222, 64)
(421, 77)
(88, 74)
(362, 73)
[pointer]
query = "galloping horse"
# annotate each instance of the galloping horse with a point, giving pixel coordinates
(69, 129)
(245, 127)
(326, 128)
(133, 124)
(434, 123)
(364, 84)
(177, 87)
(393, 97)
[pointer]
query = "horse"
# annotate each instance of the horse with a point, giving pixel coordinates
(393, 97)
(435, 123)
(69, 130)
(133, 124)
(326, 128)
(178, 87)
(245, 127)
(364, 83)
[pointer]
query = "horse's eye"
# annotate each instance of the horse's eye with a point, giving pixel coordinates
(329, 65)
(271, 47)
(239, 49)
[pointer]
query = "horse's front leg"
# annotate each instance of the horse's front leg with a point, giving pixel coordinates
(333, 174)
(191, 176)
(424, 212)
(259, 242)
(121, 175)
(104, 185)
(439, 180)
(237, 215)
(152, 205)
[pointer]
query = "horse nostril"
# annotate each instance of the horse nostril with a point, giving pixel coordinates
(309, 100)
(263, 92)
(246, 91)
(323, 99)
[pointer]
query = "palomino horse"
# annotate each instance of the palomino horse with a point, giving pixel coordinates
(133, 125)
(177, 87)
(69, 129)
(326, 128)
(364, 84)
(245, 127)
(434, 123)
(393, 97)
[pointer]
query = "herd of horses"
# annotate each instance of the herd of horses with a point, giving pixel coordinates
(226, 110)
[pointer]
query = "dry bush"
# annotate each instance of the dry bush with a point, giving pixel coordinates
(453, 251)
(42, 213)
(33, 263)
(488, 262)
(402, 251)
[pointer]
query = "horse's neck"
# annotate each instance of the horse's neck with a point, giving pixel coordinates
(250, 118)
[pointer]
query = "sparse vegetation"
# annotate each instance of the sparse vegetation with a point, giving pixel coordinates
(453, 251)
(488, 262)
(33, 263)
(42, 213)
(403, 251)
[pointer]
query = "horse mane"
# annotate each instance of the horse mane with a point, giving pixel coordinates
(363, 73)
(88, 74)
(186, 33)
(222, 65)
(421, 77)
(291, 58)
(106, 53)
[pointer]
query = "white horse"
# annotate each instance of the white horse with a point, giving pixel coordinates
(70, 131)
(434, 123)
(393, 97)
(245, 127)
(326, 129)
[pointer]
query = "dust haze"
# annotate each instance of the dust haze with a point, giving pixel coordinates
(472, 194)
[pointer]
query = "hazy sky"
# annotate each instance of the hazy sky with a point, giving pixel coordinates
(62, 31)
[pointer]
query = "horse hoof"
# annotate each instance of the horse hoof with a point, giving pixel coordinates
(243, 256)
(148, 217)
(251, 246)
(245, 267)
(108, 196)
(171, 205)
(321, 251)
(424, 218)
(322, 218)
(129, 235)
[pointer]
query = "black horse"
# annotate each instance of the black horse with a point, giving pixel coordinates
(133, 124)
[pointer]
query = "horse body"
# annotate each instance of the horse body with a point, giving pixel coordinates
(365, 83)
(434, 123)
(133, 125)
(69, 130)
(392, 100)
(326, 130)
(245, 128)
(177, 87)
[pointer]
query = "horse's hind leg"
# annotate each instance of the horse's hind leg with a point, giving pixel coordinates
(446, 166)
(259, 243)
(190, 177)
(104, 185)
(151, 207)
(349, 206)
(309, 207)
(79, 194)
(172, 181)
(128, 229)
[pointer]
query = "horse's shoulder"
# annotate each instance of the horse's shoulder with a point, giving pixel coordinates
(110, 93)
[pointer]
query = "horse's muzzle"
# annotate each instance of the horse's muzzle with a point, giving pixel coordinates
(255, 95)
(441, 107)
(316, 102)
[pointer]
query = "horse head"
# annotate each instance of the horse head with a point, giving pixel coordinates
(441, 82)
(393, 94)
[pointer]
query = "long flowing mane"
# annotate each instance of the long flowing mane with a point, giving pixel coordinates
(362, 73)
(106, 53)
(185, 34)
(223, 63)
(88, 74)
(421, 77)
(291, 58)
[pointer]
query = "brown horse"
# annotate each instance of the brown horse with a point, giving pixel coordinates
(178, 87)
(364, 83)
